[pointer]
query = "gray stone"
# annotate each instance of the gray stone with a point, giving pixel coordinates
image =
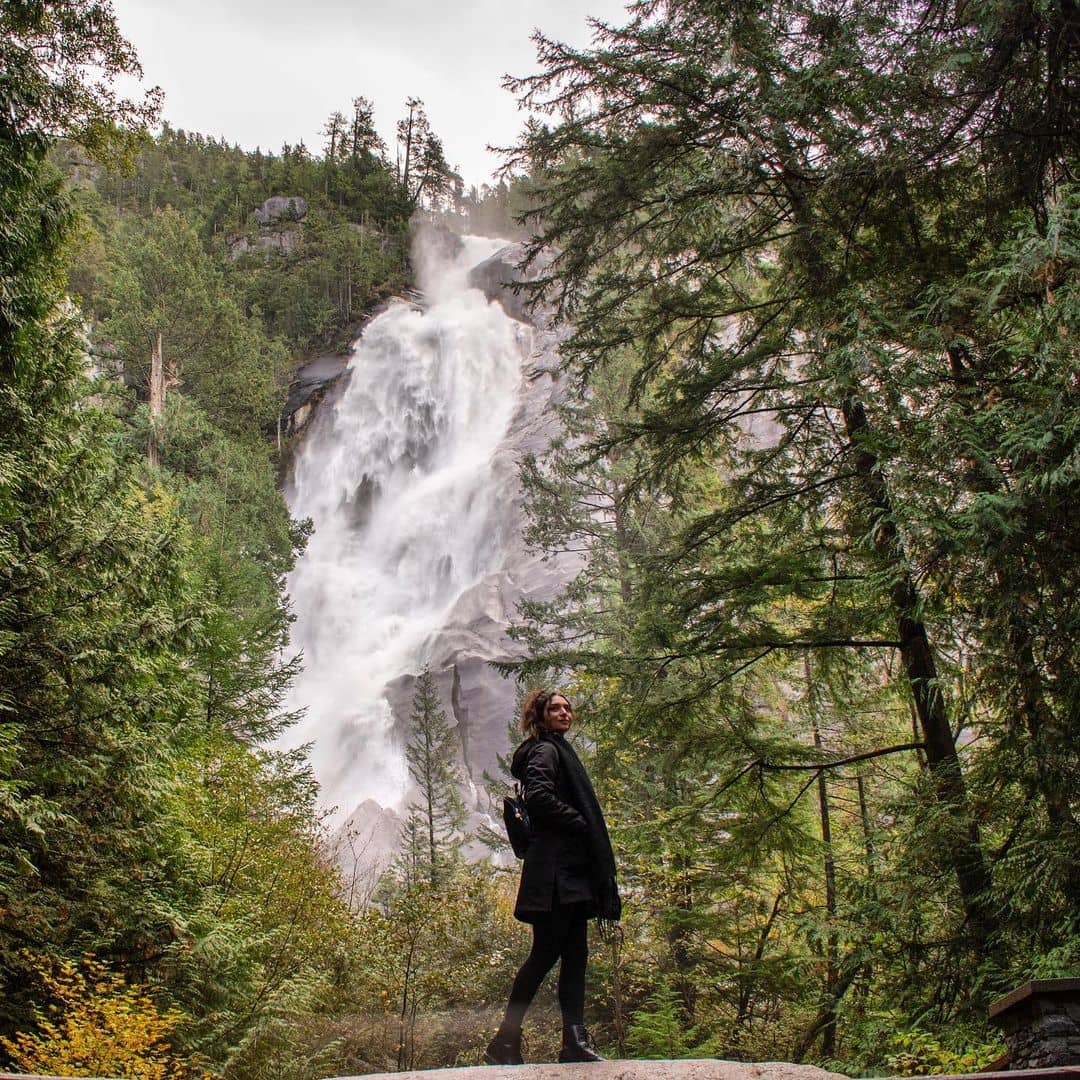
(496, 278)
(1039, 1021)
(310, 380)
(266, 244)
(363, 847)
(626, 1070)
(436, 239)
(321, 378)
(80, 169)
(281, 207)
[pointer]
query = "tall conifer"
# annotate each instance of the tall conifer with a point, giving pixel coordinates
(433, 828)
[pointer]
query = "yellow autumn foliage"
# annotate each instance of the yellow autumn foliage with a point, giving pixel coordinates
(97, 1025)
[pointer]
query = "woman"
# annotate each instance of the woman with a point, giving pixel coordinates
(568, 877)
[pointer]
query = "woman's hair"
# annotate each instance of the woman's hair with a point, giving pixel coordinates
(532, 711)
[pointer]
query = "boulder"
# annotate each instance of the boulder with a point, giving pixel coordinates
(281, 208)
(496, 277)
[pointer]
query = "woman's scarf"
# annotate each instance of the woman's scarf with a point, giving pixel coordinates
(603, 858)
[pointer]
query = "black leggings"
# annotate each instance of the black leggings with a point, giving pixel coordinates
(562, 933)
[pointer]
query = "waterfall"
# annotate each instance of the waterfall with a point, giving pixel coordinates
(397, 481)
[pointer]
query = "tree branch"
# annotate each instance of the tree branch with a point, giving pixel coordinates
(819, 766)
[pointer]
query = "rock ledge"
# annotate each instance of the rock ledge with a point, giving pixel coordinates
(705, 1069)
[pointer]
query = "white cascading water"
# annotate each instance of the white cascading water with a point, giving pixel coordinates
(396, 484)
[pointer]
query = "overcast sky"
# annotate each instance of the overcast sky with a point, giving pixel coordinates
(266, 72)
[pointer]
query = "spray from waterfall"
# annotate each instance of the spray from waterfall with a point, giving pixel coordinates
(396, 482)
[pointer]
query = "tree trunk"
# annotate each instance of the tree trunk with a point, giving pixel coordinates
(157, 402)
(679, 938)
(962, 848)
(746, 980)
(846, 976)
(1040, 722)
(868, 836)
(828, 1031)
(618, 1019)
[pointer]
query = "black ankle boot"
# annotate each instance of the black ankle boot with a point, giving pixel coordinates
(576, 1045)
(504, 1049)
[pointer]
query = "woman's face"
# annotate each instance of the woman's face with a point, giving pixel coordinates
(558, 716)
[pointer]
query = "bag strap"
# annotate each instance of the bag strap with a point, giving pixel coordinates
(519, 787)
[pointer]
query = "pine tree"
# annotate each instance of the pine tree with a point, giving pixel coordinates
(423, 172)
(837, 273)
(97, 611)
(432, 833)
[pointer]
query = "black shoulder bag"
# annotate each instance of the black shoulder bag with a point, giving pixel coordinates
(516, 820)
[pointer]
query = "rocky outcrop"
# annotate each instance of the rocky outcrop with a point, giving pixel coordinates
(309, 387)
(708, 1069)
(278, 233)
(79, 168)
(282, 208)
(500, 279)
(439, 242)
(363, 847)
(275, 242)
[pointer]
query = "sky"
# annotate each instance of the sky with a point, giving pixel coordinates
(267, 72)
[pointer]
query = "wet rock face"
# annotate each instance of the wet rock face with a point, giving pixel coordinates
(308, 388)
(439, 240)
(496, 279)
(478, 701)
(321, 378)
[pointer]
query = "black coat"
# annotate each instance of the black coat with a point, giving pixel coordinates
(558, 866)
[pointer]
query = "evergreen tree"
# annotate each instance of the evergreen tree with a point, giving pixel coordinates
(423, 173)
(432, 832)
(98, 607)
(363, 138)
(62, 60)
(802, 227)
(166, 294)
(141, 626)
